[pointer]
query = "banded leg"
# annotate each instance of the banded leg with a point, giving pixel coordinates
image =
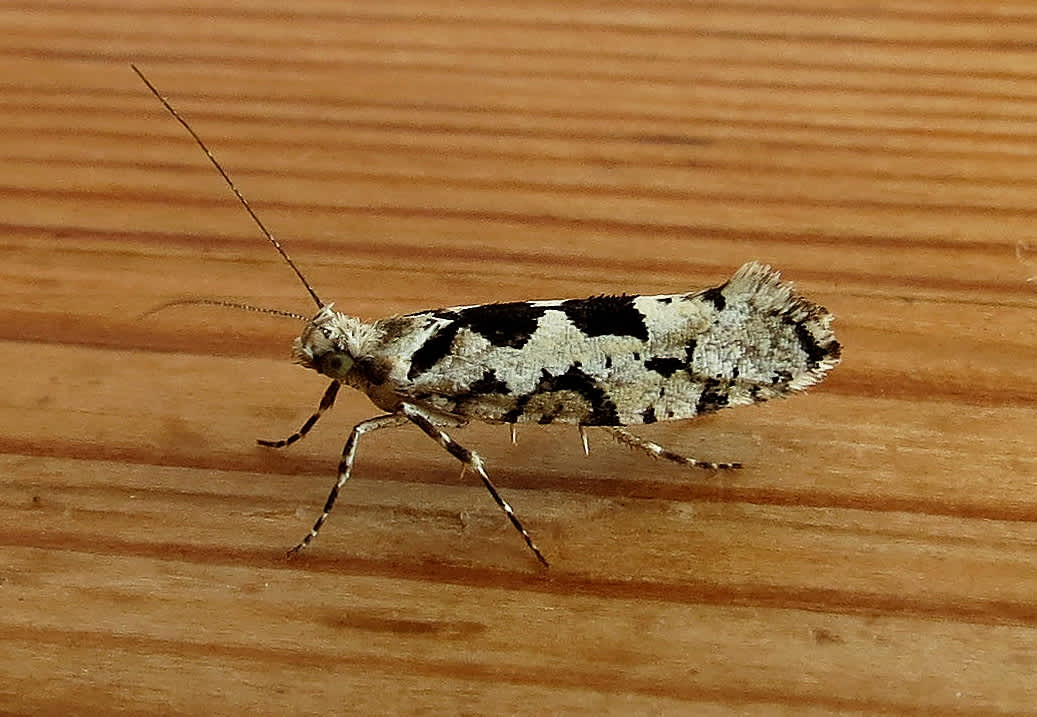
(345, 466)
(469, 459)
(657, 451)
(326, 402)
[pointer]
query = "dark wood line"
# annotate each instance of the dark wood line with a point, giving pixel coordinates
(696, 487)
(477, 669)
(511, 23)
(343, 246)
(758, 166)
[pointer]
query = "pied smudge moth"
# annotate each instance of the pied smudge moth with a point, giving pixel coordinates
(604, 361)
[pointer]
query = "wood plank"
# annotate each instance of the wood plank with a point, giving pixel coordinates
(875, 555)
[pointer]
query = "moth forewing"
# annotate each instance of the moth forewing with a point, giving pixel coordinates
(603, 361)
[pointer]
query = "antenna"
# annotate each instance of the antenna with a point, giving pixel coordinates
(227, 304)
(227, 179)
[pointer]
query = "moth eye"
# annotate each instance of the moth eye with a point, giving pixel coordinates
(335, 364)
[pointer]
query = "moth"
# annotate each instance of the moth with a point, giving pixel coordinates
(606, 361)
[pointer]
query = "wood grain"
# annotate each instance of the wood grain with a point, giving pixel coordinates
(878, 554)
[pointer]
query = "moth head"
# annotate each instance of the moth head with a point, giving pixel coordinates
(327, 344)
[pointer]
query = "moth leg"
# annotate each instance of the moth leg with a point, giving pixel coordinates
(657, 451)
(345, 465)
(469, 459)
(326, 402)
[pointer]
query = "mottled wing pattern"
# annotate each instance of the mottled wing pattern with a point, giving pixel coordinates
(613, 360)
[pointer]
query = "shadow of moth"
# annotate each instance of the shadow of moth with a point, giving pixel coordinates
(604, 361)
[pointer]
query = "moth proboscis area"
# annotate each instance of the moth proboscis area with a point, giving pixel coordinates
(604, 361)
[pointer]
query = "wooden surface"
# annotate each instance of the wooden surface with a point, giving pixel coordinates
(878, 554)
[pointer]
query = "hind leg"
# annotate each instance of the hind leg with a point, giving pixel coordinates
(656, 451)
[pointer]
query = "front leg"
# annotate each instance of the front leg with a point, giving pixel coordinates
(326, 402)
(469, 459)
